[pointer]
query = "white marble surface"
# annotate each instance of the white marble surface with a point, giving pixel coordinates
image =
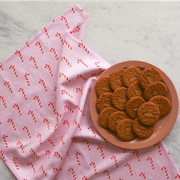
(117, 31)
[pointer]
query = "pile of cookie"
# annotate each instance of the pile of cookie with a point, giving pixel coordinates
(130, 101)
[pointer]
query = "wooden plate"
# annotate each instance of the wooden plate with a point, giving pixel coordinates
(162, 127)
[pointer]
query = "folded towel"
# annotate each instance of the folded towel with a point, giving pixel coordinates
(45, 127)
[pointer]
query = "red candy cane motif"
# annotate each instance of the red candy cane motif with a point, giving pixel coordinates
(55, 169)
(14, 70)
(23, 93)
(64, 76)
(84, 177)
(32, 114)
(45, 29)
(97, 64)
(49, 68)
(54, 52)
(48, 153)
(82, 62)
(18, 109)
(12, 122)
(60, 37)
(79, 90)
(115, 160)
(159, 148)
(79, 127)
(66, 122)
(73, 172)
(1, 67)
(51, 142)
(19, 143)
(5, 140)
(40, 137)
(79, 76)
(27, 44)
(2, 155)
(20, 56)
(73, 10)
(38, 100)
(52, 105)
(61, 139)
(27, 130)
(83, 46)
(87, 142)
(143, 175)
(101, 150)
(55, 89)
(67, 153)
(65, 20)
(166, 172)
(149, 159)
(39, 45)
(77, 157)
(177, 176)
(56, 154)
(41, 168)
(47, 122)
(65, 59)
(67, 107)
(81, 111)
(35, 154)
(108, 174)
(55, 127)
(65, 92)
(129, 167)
(137, 154)
(34, 61)
(26, 75)
(68, 45)
(3, 100)
(94, 166)
(76, 30)
(8, 85)
(14, 161)
(93, 131)
(43, 83)
(30, 164)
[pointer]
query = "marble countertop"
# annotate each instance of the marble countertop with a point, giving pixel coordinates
(117, 31)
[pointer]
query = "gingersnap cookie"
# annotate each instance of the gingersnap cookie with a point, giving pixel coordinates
(154, 89)
(148, 113)
(141, 130)
(104, 116)
(102, 85)
(130, 75)
(104, 101)
(163, 103)
(119, 98)
(124, 130)
(148, 76)
(115, 118)
(134, 90)
(116, 79)
(133, 105)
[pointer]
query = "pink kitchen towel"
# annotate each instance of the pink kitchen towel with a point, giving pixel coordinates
(46, 131)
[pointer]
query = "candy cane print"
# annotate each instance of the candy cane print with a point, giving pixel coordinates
(5, 140)
(66, 122)
(38, 100)
(3, 100)
(19, 54)
(34, 61)
(49, 68)
(23, 93)
(47, 122)
(54, 52)
(12, 122)
(129, 167)
(108, 174)
(137, 154)
(52, 105)
(166, 172)
(51, 142)
(8, 85)
(41, 168)
(68, 45)
(35, 154)
(43, 83)
(68, 107)
(20, 145)
(151, 161)
(87, 142)
(79, 76)
(48, 153)
(101, 150)
(115, 160)
(32, 114)
(14, 161)
(93, 131)
(30, 164)
(45, 29)
(79, 90)
(84, 177)
(143, 175)
(63, 91)
(77, 157)
(73, 10)
(66, 60)
(27, 130)
(18, 109)
(14, 70)
(159, 148)
(40, 137)
(81, 111)
(27, 44)
(177, 176)
(82, 62)
(83, 47)
(65, 20)
(63, 75)
(72, 172)
(56, 154)
(94, 166)
(39, 45)
(26, 75)
(77, 29)
(2, 155)
(1, 67)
